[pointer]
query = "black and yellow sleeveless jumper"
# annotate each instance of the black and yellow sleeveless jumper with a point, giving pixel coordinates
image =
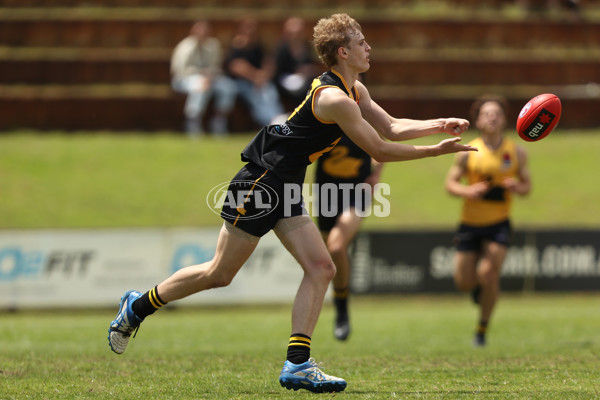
(287, 149)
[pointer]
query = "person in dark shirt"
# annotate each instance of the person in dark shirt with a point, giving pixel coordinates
(266, 195)
(295, 65)
(253, 68)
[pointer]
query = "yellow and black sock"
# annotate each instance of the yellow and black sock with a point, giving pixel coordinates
(340, 300)
(341, 293)
(298, 350)
(147, 304)
(482, 328)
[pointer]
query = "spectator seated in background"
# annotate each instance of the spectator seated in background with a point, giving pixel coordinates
(196, 71)
(295, 63)
(572, 6)
(253, 69)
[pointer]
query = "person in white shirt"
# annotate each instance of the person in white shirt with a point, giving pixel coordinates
(196, 70)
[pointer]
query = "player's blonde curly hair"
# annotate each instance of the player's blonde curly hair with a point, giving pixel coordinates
(332, 33)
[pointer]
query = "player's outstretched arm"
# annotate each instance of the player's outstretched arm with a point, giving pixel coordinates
(333, 105)
(398, 129)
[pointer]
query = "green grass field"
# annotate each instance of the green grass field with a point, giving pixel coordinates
(413, 347)
(59, 180)
(540, 347)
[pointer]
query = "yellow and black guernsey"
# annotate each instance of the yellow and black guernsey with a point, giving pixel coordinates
(493, 166)
(346, 163)
(287, 149)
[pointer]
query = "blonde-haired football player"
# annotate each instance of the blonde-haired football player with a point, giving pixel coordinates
(277, 158)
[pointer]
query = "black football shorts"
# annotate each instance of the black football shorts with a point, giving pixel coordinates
(257, 199)
(470, 238)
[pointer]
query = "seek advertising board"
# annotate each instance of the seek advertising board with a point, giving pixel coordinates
(544, 260)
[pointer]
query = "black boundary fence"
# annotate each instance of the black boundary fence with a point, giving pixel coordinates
(422, 261)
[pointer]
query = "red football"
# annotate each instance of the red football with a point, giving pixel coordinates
(538, 117)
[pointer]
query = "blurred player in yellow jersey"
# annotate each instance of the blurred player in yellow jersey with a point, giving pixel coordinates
(350, 166)
(486, 180)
